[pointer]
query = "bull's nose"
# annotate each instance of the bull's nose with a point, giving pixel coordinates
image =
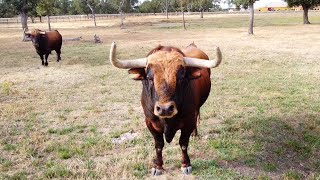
(165, 110)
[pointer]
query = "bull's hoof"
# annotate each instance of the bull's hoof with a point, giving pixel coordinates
(42, 63)
(46, 63)
(186, 170)
(156, 172)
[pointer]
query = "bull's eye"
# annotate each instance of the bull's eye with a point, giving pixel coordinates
(150, 78)
(149, 75)
(181, 74)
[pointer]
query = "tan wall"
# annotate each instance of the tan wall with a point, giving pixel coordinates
(265, 9)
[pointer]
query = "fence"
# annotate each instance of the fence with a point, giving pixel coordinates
(72, 18)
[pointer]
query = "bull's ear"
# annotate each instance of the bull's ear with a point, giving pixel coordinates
(138, 73)
(194, 73)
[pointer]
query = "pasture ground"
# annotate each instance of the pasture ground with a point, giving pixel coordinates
(261, 120)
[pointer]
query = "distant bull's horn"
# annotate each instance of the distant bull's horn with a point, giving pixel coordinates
(123, 64)
(141, 63)
(194, 62)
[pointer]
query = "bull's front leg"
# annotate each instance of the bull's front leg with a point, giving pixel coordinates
(186, 167)
(159, 144)
(41, 57)
(46, 57)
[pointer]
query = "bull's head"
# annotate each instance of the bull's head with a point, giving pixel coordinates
(165, 73)
(35, 36)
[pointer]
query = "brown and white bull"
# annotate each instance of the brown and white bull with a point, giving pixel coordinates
(176, 83)
(45, 42)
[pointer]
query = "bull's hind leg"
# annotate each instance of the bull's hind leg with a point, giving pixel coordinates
(58, 51)
(159, 144)
(184, 142)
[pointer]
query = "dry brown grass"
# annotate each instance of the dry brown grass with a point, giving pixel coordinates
(58, 121)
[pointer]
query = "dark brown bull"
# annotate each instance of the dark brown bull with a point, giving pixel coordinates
(45, 42)
(175, 85)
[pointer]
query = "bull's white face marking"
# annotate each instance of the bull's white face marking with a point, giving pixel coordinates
(164, 66)
(35, 36)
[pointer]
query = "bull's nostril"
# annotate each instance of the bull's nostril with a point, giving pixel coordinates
(171, 109)
(158, 108)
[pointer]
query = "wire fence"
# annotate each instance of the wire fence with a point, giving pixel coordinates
(73, 18)
(89, 17)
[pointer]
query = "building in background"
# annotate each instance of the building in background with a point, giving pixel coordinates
(274, 6)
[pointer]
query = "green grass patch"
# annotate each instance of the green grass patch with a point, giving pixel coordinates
(293, 175)
(21, 175)
(269, 167)
(208, 169)
(65, 153)
(55, 170)
(139, 170)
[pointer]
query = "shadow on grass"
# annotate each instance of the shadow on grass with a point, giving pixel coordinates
(278, 147)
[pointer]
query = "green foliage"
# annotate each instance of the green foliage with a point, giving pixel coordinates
(46, 7)
(154, 6)
(244, 2)
(202, 5)
(63, 6)
(6, 10)
(303, 3)
(10, 8)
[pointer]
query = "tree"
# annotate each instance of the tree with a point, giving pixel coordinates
(248, 3)
(123, 6)
(202, 5)
(106, 7)
(306, 5)
(6, 10)
(63, 7)
(92, 4)
(153, 6)
(79, 7)
(183, 3)
(20, 7)
(47, 8)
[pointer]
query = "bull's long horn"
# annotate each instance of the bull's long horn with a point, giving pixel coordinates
(125, 64)
(42, 32)
(200, 63)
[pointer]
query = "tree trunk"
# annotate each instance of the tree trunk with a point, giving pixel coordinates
(305, 15)
(201, 12)
(184, 23)
(167, 6)
(93, 14)
(121, 13)
(49, 25)
(121, 18)
(250, 30)
(24, 23)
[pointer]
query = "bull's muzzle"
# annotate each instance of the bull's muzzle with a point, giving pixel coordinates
(36, 45)
(165, 110)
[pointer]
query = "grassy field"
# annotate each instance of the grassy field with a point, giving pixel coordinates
(261, 120)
